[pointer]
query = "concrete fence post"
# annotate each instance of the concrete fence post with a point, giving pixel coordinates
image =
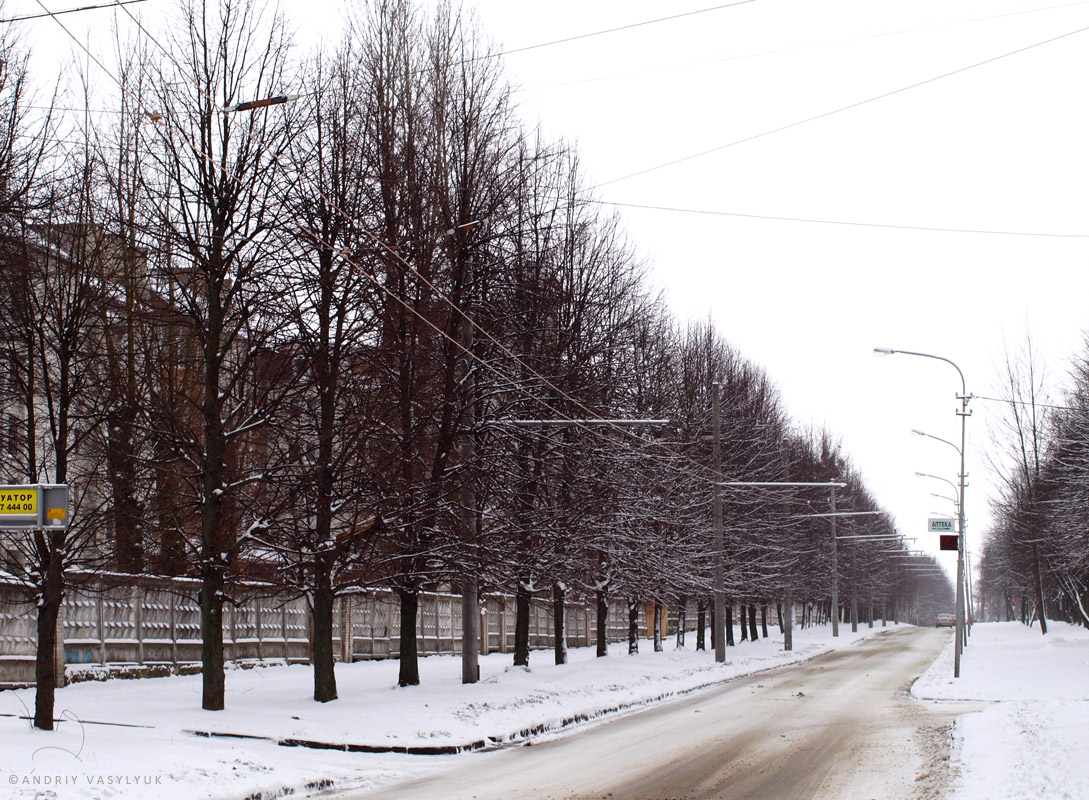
(347, 629)
(173, 625)
(58, 646)
(138, 619)
(283, 629)
(257, 626)
(100, 626)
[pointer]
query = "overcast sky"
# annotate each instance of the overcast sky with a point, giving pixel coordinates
(995, 147)
(808, 150)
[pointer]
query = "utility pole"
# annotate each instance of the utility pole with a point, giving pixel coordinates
(963, 413)
(720, 556)
(788, 600)
(835, 568)
(470, 595)
(470, 588)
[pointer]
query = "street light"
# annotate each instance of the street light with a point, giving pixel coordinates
(249, 105)
(952, 500)
(964, 413)
(956, 504)
(918, 432)
(938, 478)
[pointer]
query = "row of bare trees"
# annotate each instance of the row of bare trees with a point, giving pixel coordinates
(1035, 562)
(380, 335)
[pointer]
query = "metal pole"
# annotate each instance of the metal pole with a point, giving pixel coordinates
(835, 568)
(720, 556)
(964, 414)
(470, 603)
(470, 589)
(788, 622)
(960, 537)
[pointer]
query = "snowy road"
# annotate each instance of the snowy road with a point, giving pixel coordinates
(839, 726)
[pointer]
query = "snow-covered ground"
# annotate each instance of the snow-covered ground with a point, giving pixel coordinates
(149, 748)
(1030, 741)
(122, 738)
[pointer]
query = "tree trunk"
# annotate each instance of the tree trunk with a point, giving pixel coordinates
(521, 627)
(714, 627)
(602, 606)
(788, 622)
(682, 620)
(658, 626)
(559, 623)
(1039, 587)
(742, 618)
(764, 620)
(325, 682)
(215, 544)
(753, 636)
(729, 626)
(701, 624)
(45, 659)
(409, 670)
(211, 642)
(633, 626)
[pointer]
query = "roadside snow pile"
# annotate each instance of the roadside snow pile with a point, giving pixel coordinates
(136, 738)
(1031, 742)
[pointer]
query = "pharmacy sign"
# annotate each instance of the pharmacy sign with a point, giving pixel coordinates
(940, 525)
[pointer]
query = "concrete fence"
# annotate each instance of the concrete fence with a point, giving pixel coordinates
(151, 626)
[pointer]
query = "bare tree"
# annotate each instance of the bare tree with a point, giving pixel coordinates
(55, 327)
(223, 180)
(325, 532)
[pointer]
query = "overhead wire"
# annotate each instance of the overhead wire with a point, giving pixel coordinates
(617, 29)
(1011, 401)
(392, 252)
(840, 109)
(47, 13)
(851, 223)
(805, 46)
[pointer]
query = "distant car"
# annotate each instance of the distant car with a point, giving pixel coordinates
(945, 621)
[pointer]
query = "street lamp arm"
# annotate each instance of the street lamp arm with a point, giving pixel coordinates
(835, 484)
(249, 105)
(918, 432)
(940, 478)
(888, 351)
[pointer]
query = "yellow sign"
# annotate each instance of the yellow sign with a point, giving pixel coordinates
(55, 513)
(22, 502)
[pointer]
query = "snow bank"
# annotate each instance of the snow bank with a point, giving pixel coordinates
(1030, 743)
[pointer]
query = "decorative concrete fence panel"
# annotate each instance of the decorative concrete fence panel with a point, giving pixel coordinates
(151, 625)
(18, 637)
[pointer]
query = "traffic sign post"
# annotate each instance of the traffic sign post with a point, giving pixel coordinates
(34, 505)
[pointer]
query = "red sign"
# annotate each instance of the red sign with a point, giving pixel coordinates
(948, 542)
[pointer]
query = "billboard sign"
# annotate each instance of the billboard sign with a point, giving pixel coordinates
(34, 505)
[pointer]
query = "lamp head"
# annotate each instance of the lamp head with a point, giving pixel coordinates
(917, 432)
(884, 351)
